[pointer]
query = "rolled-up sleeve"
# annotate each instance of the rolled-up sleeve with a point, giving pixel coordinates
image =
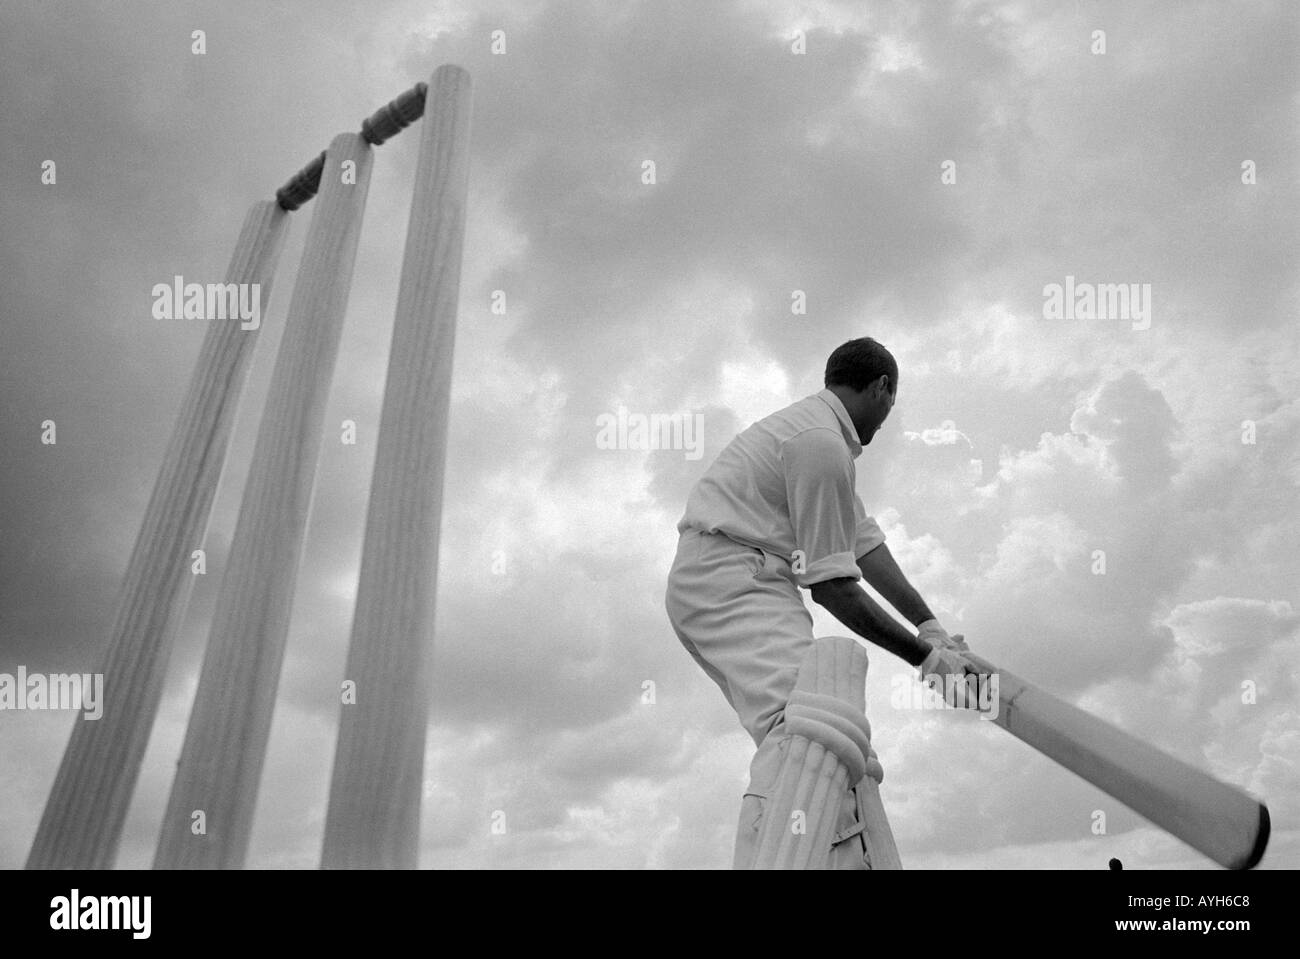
(824, 508)
(870, 535)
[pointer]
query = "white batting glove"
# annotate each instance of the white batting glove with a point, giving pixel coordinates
(945, 660)
(939, 671)
(936, 635)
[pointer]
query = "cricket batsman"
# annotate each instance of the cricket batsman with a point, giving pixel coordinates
(777, 512)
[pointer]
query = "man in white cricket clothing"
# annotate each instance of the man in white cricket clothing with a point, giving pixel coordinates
(777, 511)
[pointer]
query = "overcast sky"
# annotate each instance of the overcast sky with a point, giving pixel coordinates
(1020, 444)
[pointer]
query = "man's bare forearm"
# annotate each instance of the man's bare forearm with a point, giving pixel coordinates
(883, 573)
(849, 603)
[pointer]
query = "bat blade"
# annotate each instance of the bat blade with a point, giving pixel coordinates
(1221, 821)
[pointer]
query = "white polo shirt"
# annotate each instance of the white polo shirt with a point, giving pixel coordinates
(788, 483)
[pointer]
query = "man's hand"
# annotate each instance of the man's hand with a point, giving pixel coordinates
(931, 632)
(954, 677)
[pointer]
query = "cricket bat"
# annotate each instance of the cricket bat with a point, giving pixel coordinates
(1222, 821)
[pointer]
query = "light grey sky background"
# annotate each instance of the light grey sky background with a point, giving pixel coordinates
(775, 172)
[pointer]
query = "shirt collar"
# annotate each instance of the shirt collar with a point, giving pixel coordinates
(846, 425)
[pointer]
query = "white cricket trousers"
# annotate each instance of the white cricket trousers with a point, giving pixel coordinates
(739, 613)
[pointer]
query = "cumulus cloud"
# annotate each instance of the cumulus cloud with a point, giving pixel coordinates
(945, 434)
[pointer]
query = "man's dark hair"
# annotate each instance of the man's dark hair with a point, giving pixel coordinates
(859, 363)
